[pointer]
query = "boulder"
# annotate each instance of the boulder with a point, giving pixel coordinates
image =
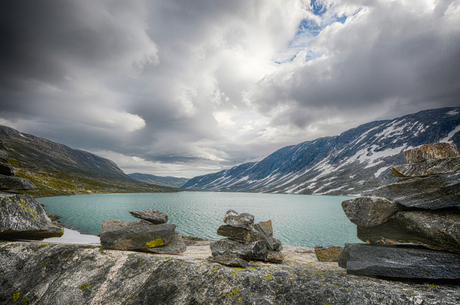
(251, 251)
(401, 261)
(427, 168)
(432, 192)
(439, 230)
(175, 246)
(369, 211)
(15, 183)
(6, 169)
(431, 151)
(328, 253)
(243, 220)
(239, 234)
(3, 155)
(266, 233)
(274, 257)
(151, 215)
(231, 260)
(22, 217)
(128, 235)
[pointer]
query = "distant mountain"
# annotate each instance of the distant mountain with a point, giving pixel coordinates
(60, 170)
(357, 160)
(159, 180)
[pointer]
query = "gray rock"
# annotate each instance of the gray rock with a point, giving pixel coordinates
(15, 183)
(22, 217)
(432, 192)
(6, 169)
(243, 220)
(239, 234)
(277, 245)
(80, 274)
(266, 233)
(151, 215)
(127, 235)
(274, 257)
(427, 152)
(3, 155)
(328, 253)
(231, 260)
(427, 168)
(439, 230)
(401, 261)
(175, 246)
(252, 251)
(369, 211)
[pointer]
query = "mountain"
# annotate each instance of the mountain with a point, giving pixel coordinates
(60, 170)
(356, 160)
(159, 180)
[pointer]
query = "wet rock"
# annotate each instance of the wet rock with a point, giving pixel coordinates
(15, 183)
(369, 211)
(401, 261)
(151, 215)
(432, 192)
(266, 233)
(251, 251)
(231, 260)
(427, 152)
(6, 169)
(127, 235)
(328, 253)
(437, 230)
(239, 234)
(427, 168)
(243, 220)
(22, 217)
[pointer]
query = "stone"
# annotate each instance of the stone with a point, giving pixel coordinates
(277, 245)
(439, 230)
(427, 168)
(175, 246)
(432, 192)
(3, 155)
(231, 260)
(251, 251)
(22, 217)
(243, 220)
(151, 215)
(328, 254)
(266, 233)
(275, 257)
(239, 234)
(128, 235)
(431, 151)
(400, 261)
(369, 211)
(15, 183)
(6, 169)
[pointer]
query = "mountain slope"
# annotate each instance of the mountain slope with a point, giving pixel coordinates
(357, 160)
(60, 170)
(159, 180)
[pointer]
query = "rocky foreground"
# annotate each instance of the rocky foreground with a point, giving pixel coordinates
(39, 273)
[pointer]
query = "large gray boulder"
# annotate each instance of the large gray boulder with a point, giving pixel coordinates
(136, 236)
(401, 261)
(22, 217)
(6, 169)
(251, 251)
(369, 211)
(427, 168)
(3, 155)
(243, 220)
(15, 183)
(439, 230)
(427, 152)
(432, 192)
(151, 215)
(239, 234)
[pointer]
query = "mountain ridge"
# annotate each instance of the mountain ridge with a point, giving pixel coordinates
(168, 181)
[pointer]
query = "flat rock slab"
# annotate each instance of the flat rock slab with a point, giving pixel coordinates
(239, 234)
(369, 211)
(409, 262)
(22, 217)
(427, 152)
(427, 168)
(231, 260)
(243, 220)
(253, 251)
(151, 215)
(266, 232)
(328, 253)
(175, 246)
(432, 192)
(127, 235)
(439, 230)
(15, 183)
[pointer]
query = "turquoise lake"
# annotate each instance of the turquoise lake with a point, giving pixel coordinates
(298, 220)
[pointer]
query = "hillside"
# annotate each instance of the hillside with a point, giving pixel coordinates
(356, 160)
(159, 180)
(60, 170)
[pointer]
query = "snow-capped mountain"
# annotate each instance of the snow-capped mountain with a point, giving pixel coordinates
(357, 160)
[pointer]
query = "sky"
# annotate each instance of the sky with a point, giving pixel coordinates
(190, 87)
